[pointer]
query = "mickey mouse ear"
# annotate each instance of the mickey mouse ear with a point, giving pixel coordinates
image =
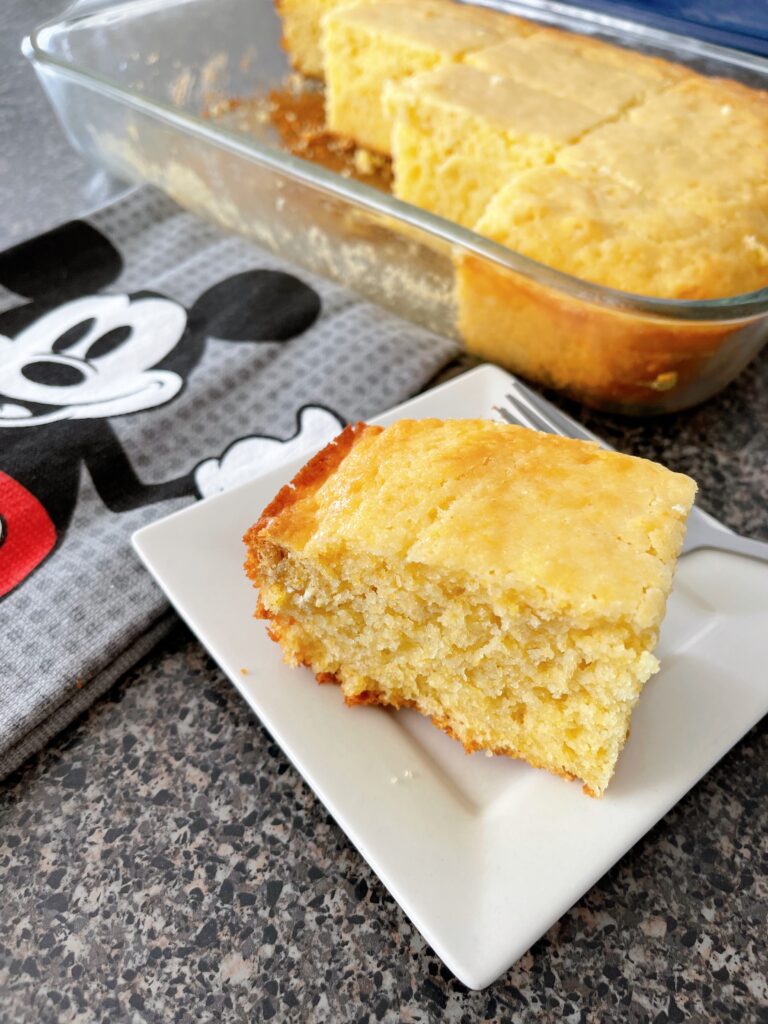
(72, 259)
(255, 305)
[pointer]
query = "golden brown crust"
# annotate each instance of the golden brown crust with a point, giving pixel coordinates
(310, 477)
(312, 474)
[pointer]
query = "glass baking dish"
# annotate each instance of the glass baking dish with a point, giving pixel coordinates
(132, 84)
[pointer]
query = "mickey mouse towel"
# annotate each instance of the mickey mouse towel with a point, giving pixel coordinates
(146, 361)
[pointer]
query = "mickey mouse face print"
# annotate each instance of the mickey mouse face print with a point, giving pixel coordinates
(89, 358)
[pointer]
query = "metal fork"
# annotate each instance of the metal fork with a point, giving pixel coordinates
(704, 531)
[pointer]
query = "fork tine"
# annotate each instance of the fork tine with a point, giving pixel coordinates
(525, 413)
(519, 418)
(547, 415)
(521, 400)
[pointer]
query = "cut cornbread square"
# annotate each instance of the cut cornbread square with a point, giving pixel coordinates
(301, 32)
(711, 133)
(693, 169)
(506, 583)
(594, 227)
(703, 141)
(563, 69)
(367, 46)
(301, 23)
(719, 101)
(460, 133)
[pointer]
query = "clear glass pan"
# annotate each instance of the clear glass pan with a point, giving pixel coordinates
(131, 84)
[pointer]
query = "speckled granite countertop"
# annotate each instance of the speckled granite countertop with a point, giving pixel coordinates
(161, 861)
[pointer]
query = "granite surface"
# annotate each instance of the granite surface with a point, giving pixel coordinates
(161, 861)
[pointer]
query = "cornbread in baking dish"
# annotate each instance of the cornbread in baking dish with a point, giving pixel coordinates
(704, 141)
(301, 32)
(600, 230)
(558, 44)
(597, 228)
(461, 133)
(620, 169)
(368, 45)
(506, 583)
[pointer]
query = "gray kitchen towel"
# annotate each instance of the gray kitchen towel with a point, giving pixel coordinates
(148, 360)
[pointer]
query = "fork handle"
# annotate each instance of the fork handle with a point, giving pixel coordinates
(705, 535)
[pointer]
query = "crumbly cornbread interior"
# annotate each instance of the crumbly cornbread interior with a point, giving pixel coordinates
(508, 584)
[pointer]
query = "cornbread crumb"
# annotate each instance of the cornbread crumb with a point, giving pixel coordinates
(508, 584)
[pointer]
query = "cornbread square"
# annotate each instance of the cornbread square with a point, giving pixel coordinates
(301, 21)
(367, 46)
(302, 30)
(461, 133)
(682, 147)
(728, 124)
(562, 67)
(506, 583)
(721, 102)
(597, 228)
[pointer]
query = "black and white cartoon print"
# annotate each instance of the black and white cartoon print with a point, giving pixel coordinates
(72, 357)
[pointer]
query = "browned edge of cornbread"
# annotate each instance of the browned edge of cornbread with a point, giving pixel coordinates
(283, 42)
(309, 478)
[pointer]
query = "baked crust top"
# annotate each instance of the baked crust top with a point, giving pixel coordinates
(562, 523)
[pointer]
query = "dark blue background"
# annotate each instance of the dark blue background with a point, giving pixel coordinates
(742, 24)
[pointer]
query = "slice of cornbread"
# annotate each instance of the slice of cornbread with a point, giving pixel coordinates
(728, 124)
(301, 31)
(507, 583)
(682, 148)
(562, 67)
(595, 227)
(460, 133)
(367, 46)
(714, 100)
(599, 230)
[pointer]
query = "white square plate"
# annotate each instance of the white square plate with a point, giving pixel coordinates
(483, 854)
